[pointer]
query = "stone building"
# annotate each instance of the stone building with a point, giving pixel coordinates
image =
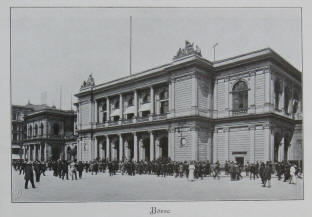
(244, 108)
(50, 135)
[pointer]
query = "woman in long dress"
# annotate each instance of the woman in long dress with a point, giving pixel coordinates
(191, 171)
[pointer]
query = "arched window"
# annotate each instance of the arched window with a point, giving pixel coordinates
(41, 129)
(56, 129)
(277, 92)
(287, 99)
(164, 95)
(130, 101)
(295, 102)
(146, 98)
(30, 131)
(36, 130)
(116, 104)
(240, 97)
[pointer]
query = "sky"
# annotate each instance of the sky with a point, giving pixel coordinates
(53, 50)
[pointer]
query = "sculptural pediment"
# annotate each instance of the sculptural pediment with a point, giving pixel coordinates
(187, 50)
(88, 83)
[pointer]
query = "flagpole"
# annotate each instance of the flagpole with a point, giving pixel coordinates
(130, 45)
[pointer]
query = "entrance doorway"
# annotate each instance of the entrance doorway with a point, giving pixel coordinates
(163, 143)
(146, 145)
(240, 161)
(56, 151)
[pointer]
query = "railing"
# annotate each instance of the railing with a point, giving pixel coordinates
(239, 112)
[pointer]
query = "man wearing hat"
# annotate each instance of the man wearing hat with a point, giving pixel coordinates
(29, 175)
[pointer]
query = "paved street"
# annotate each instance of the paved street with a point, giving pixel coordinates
(101, 187)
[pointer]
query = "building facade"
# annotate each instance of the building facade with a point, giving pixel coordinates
(50, 135)
(245, 108)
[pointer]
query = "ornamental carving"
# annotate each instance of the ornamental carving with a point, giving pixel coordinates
(88, 83)
(187, 50)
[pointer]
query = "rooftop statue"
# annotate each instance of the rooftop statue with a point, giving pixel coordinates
(187, 50)
(88, 83)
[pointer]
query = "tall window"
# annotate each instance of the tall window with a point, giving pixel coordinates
(287, 99)
(130, 101)
(56, 129)
(240, 97)
(146, 98)
(41, 129)
(295, 102)
(36, 130)
(30, 131)
(277, 92)
(164, 103)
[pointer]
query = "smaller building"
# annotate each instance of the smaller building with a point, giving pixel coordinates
(50, 135)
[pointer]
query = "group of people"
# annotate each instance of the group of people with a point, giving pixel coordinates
(161, 168)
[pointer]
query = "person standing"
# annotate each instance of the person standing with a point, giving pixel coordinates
(73, 169)
(191, 171)
(292, 174)
(37, 170)
(29, 175)
(80, 169)
(267, 174)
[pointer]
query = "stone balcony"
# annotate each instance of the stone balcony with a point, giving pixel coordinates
(123, 122)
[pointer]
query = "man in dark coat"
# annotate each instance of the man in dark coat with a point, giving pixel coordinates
(267, 174)
(29, 175)
(80, 169)
(37, 169)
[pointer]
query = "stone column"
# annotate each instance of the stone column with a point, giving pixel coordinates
(267, 142)
(157, 149)
(40, 152)
(226, 141)
(267, 91)
(227, 94)
(45, 151)
(34, 152)
(281, 150)
(194, 92)
(152, 100)
(252, 143)
(121, 106)
(195, 144)
(171, 143)
(107, 109)
(251, 94)
(135, 98)
(171, 90)
(135, 147)
(214, 147)
(215, 100)
(151, 145)
(96, 111)
(141, 150)
(96, 146)
(107, 148)
(28, 151)
(120, 147)
(282, 99)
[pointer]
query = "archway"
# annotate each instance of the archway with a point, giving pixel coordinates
(146, 147)
(68, 153)
(277, 140)
(56, 150)
(286, 146)
(163, 144)
(130, 149)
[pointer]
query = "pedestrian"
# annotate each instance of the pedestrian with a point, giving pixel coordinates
(292, 171)
(267, 174)
(73, 169)
(191, 171)
(29, 175)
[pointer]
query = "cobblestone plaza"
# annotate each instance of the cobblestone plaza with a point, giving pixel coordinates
(102, 187)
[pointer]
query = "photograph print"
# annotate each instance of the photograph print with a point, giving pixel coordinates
(156, 104)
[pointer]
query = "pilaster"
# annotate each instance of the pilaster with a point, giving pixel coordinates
(252, 129)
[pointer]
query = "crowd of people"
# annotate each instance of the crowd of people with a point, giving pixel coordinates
(192, 170)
